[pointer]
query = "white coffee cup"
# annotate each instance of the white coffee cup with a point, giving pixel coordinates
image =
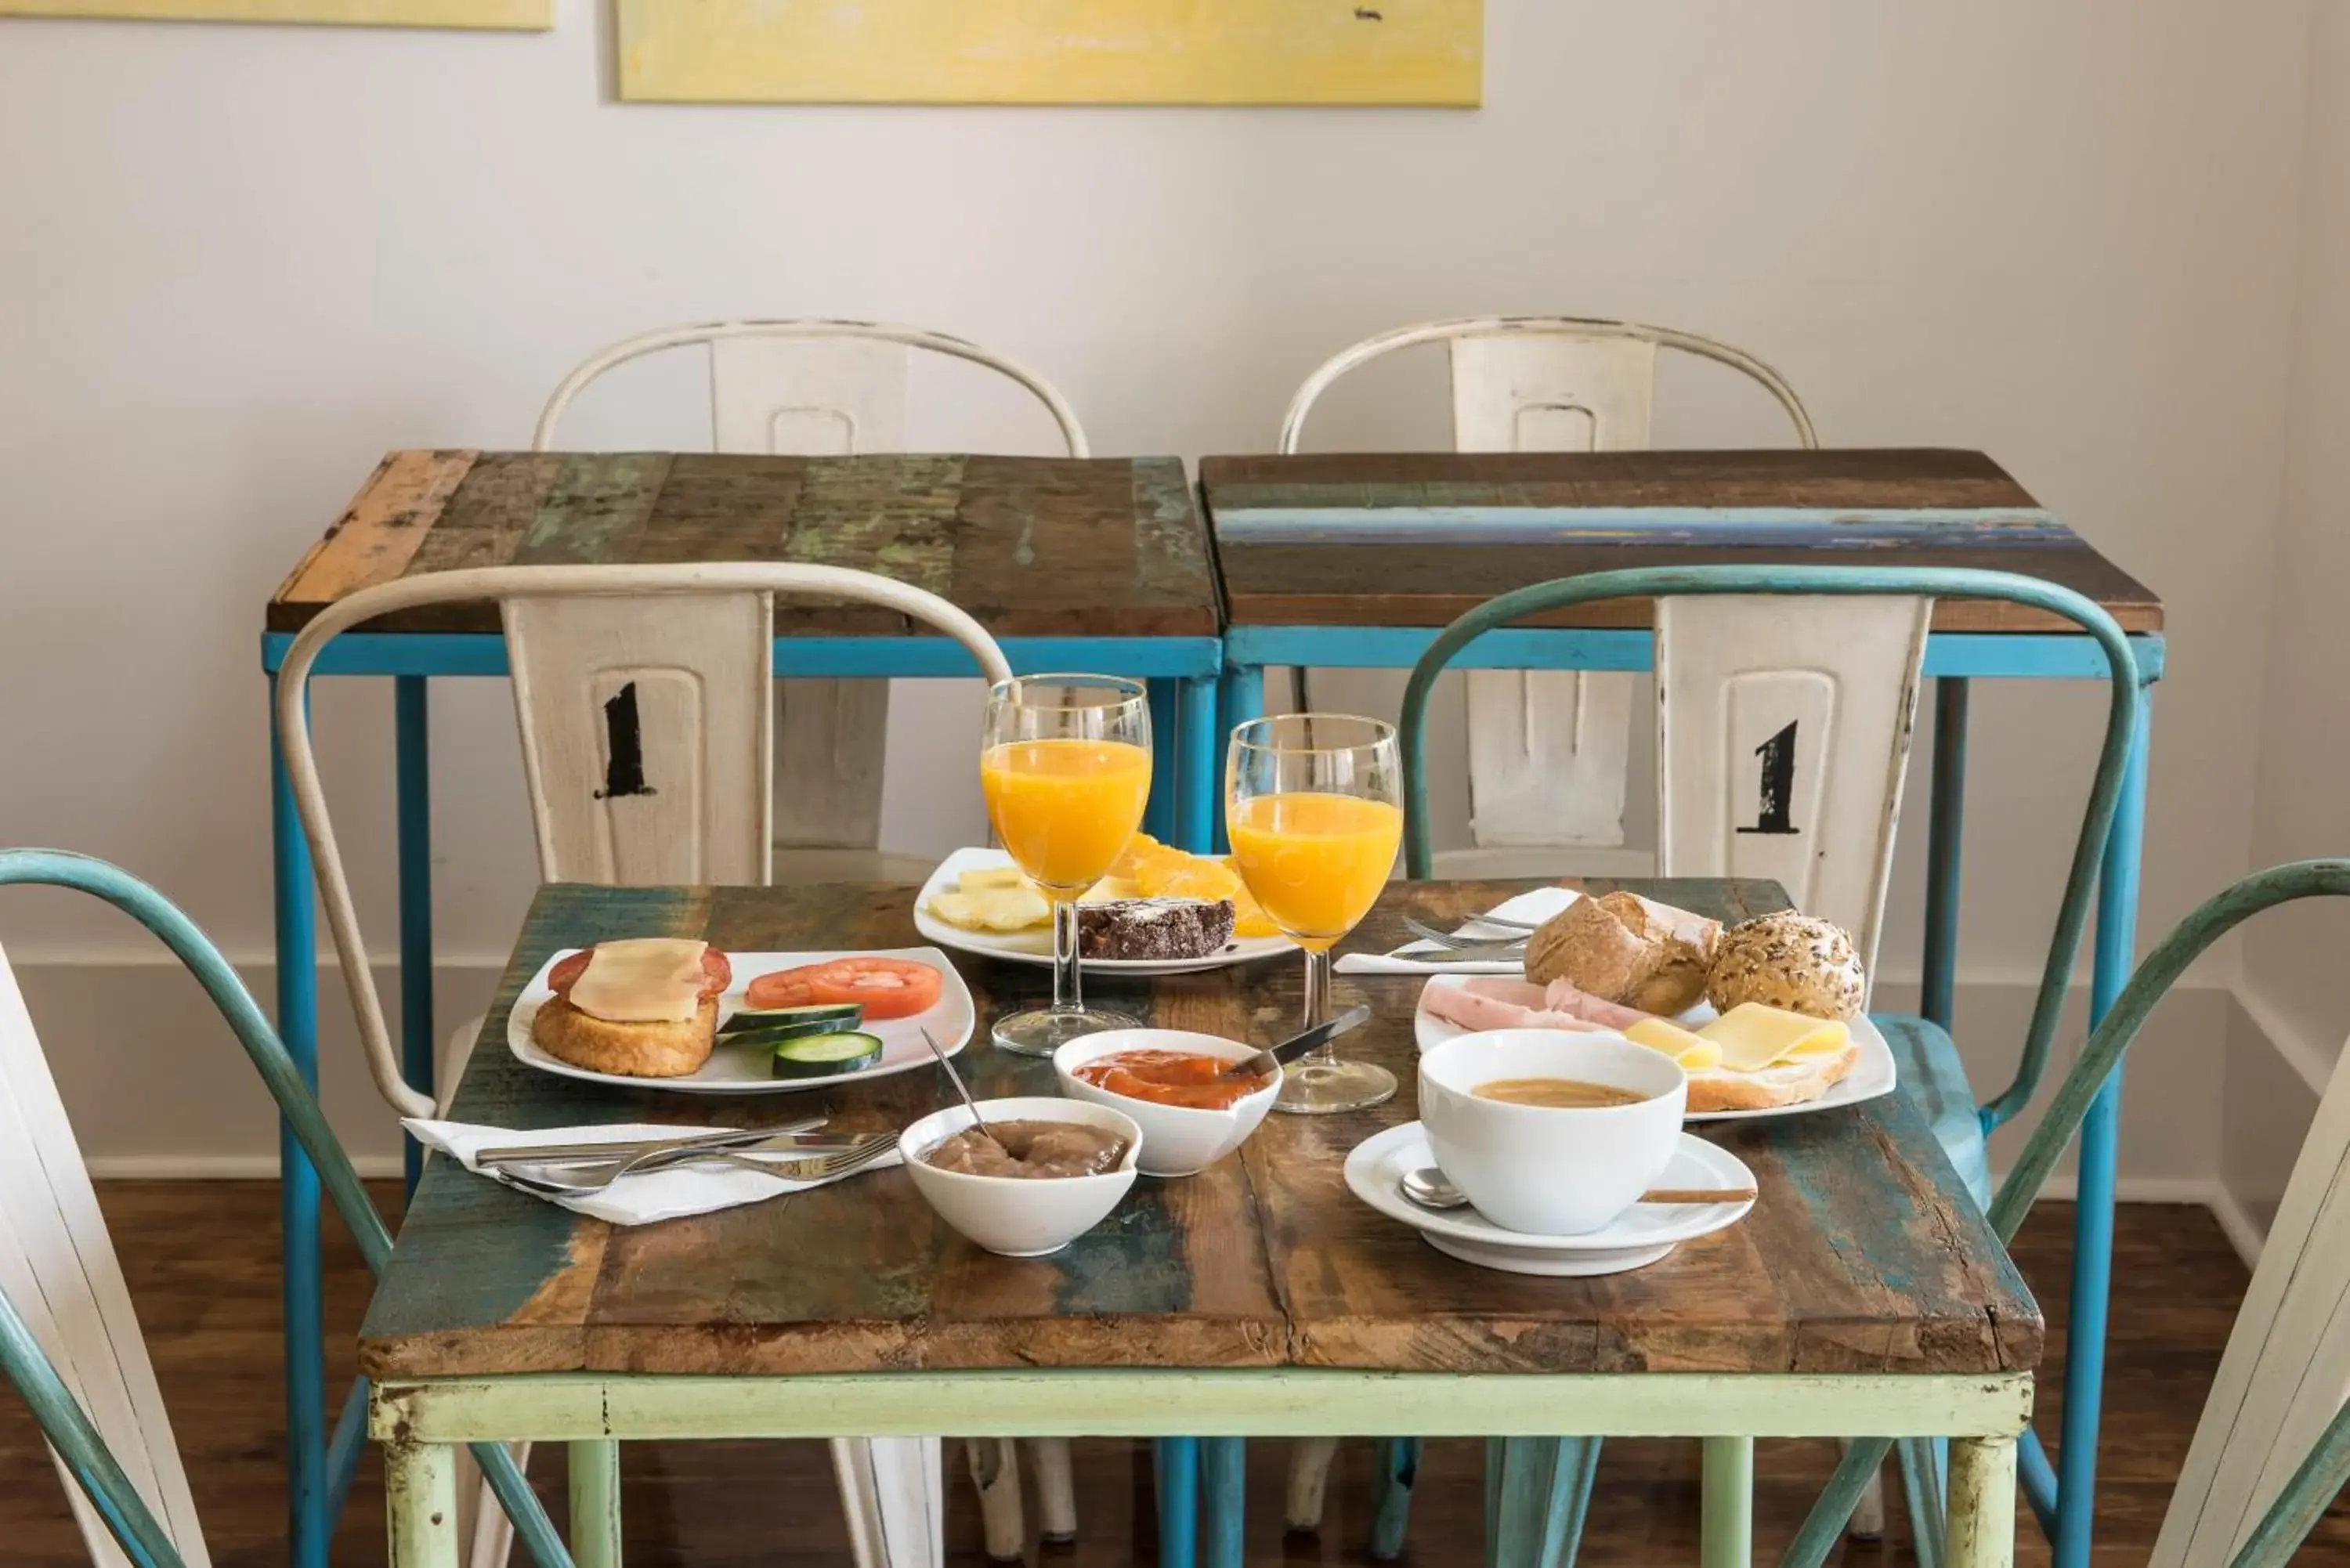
(1550, 1171)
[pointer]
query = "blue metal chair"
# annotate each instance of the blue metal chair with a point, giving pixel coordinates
(2251, 1490)
(1929, 1064)
(70, 1430)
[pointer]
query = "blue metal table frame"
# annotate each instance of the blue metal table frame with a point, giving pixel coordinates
(1182, 673)
(2062, 1494)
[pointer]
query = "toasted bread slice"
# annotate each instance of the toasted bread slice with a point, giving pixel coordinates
(630, 1050)
(1788, 1084)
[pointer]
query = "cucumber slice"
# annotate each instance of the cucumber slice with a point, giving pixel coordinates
(804, 1020)
(823, 1055)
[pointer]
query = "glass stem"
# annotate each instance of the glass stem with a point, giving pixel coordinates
(1317, 1003)
(1067, 996)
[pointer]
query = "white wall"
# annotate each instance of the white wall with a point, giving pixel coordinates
(237, 264)
(2293, 959)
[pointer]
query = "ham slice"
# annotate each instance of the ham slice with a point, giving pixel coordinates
(1561, 997)
(1496, 1002)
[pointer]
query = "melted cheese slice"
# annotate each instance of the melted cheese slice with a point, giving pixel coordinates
(647, 979)
(1693, 1052)
(1753, 1036)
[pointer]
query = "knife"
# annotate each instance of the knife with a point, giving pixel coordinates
(559, 1153)
(1296, 1045)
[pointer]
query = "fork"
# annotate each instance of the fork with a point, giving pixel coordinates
(1498, 947)
(841, 1161)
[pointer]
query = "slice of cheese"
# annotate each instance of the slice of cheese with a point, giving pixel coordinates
(1753, 1036)
(994, 905)
(647, 979)
(1693, 1052)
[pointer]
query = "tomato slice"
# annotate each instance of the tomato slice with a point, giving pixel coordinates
(717, 975)
(884, 987)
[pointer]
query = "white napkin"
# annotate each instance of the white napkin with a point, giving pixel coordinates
(633, 1200)
(1428, 958)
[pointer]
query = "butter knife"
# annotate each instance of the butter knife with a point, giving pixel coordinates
(559, 1153)
(1296, 1045)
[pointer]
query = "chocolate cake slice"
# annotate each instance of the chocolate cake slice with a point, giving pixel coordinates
(1154, 929)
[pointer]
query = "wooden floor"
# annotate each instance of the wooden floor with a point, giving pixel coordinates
(202, 1260)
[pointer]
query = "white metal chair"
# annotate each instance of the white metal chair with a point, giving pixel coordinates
(818, 388)
(642, 695)
(1547, 749)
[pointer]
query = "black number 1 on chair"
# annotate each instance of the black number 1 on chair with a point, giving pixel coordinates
(1778, 754)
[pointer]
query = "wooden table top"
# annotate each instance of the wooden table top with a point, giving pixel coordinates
(1861, 1256)
(1334, 539)
(1031, 546)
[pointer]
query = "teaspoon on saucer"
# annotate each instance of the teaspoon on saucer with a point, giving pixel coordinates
(1431, 1189)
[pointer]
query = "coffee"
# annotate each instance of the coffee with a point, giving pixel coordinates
(1561, 1093)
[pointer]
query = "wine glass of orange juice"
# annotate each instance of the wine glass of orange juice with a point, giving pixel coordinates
(1312, 809)
(1067, 771)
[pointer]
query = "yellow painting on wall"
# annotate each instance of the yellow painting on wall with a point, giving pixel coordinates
(506, 14)
(1054, 51)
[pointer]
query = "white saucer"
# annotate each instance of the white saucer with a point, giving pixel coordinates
(1640, 1236)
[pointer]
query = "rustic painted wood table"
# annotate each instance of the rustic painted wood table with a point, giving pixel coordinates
(1862, 1295)
(1098, 565)
(1326, 561)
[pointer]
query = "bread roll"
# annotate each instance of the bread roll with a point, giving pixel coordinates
(1625, 949)
(631, 1050)
(1800, 962)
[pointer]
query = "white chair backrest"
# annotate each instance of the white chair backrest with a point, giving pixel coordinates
(2286, 1370)
(642, 696)
(807, 388)
(1546, 749)
(815, 388)
(58, 1267)
(647, 735)
(1783, 736)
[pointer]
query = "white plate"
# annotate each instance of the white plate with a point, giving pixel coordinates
(740, 1070)
(1036, 946)
(1872, 1072)
(1641, 1235)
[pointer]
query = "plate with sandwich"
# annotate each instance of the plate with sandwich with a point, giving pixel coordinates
(684, 1015)
(1160, 911)
(1765, 1016)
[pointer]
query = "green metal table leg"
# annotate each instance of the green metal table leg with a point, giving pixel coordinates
(419, 1495)
(596, 1503)
(1982, 1504)
(1726, 1536)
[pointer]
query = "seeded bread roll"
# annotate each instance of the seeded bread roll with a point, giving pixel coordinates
(1800, 962)
(1623, 947)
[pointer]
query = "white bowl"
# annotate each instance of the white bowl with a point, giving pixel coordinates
(1020, 1217)
(1177, 1140)
(1550, 1171)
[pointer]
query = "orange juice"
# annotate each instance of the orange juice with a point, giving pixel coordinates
(1314, 861)
(1065, 808)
